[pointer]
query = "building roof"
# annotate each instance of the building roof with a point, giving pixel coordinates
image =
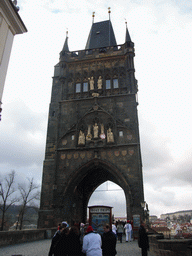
(101, 35)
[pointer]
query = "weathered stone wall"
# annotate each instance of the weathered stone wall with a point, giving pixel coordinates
(169, 247)
(22, 236)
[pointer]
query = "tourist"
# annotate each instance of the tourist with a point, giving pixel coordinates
(143, 239)
(92, 243)
(128, 229)
(59, 241)
(114, 229)
(108, 242)
(119, 231)
(73, 242)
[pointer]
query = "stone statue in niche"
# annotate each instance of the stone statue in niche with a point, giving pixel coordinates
(81, 140)
(95, 131)
(91, 82)
(102, 135)
(99, 83)
(89, 136)
(110, 137)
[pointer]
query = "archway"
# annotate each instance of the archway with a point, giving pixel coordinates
(82, 184)
(110, 194)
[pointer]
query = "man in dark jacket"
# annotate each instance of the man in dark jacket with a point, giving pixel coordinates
(59, 242)
(143, 239)
(108, 242)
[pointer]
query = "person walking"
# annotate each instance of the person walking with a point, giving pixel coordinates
(143, 239)
(119, 231)
(92, 243)
(128, 229)
(108, 242)
(59, 242)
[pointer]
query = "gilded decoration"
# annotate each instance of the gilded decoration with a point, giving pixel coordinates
(124, 152)
(116, 153)
(131, 152)
(76, 155)
(63, 156)
(82, 155)
(109, 153)
(89, 154)
(69, 156)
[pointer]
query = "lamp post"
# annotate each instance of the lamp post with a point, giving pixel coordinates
(144, 205)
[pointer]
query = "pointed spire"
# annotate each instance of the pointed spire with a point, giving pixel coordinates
(109, 11)
(127, 36)
(93, 15)
(65, 47)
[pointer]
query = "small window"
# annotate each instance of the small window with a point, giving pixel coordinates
(115, 83)
(72, 137)
(78, 87)
(108, 84)
(120, 133)
(85, 87)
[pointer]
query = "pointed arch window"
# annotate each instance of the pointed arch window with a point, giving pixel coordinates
(78, 88)
(115, 83)
(108, 84)
(85, 87)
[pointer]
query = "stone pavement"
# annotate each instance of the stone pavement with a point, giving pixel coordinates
(41, 248)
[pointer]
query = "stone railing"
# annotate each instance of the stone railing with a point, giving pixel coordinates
(21, 236)
(170, 247)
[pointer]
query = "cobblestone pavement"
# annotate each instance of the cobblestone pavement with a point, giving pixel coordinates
(41, 248)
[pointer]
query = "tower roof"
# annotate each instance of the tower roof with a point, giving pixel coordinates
(65, 46)
(101, 35)
(127, 36)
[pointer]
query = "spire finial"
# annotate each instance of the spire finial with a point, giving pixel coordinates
(109, 11)
(93, 15)
(67, 32)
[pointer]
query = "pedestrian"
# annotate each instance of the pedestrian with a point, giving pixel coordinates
(92, 243)
(59, 241)
(59, 225)
(108, 242)
(114, 229)
(120, 231)
(73, 242)
(128, 229)
(143, 239)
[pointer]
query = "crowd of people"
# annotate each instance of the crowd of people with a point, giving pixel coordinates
(82, 240)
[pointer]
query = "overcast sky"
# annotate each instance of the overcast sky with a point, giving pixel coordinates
(161, 31)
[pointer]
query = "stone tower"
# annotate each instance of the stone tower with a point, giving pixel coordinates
(93, 131)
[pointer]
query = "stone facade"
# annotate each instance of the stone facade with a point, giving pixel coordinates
(93, 133)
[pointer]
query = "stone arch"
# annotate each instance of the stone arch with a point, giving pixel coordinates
(83, 181)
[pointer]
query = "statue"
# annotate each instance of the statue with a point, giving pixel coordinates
(81, 140)
(95, 131)
(102, 135)
(110, 137)
(89, 136)
(99, 83)
(91, 82)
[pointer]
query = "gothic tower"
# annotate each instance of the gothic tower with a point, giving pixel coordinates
(93, 131)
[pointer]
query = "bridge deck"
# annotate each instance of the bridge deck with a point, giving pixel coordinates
(41, 248)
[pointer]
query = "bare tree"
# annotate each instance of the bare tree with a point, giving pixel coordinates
(28, 196)
(6, 195)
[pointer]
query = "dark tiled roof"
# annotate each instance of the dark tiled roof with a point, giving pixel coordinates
(65, 46)
(101, 35)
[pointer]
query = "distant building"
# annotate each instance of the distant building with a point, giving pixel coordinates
(10, 25)
(163, 230)
(152, 218)
(176, 214)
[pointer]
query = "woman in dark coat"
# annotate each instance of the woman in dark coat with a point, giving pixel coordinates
(143, 240)
(73, 242)
(59, 242)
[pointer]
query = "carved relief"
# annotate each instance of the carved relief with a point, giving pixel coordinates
(81, 140)
(110, 137)
(91, 82)
(99, 83)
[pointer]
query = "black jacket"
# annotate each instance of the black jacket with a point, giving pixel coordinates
(143, 238)
(58, 245)
(109, 244)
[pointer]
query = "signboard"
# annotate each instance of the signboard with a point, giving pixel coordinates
(99, 216)
(136, 221)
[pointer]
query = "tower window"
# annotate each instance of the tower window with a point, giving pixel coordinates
(120, 133)
(108, 84)
(72, 137)
(115, 83)
(78, 87)
(85, 87)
